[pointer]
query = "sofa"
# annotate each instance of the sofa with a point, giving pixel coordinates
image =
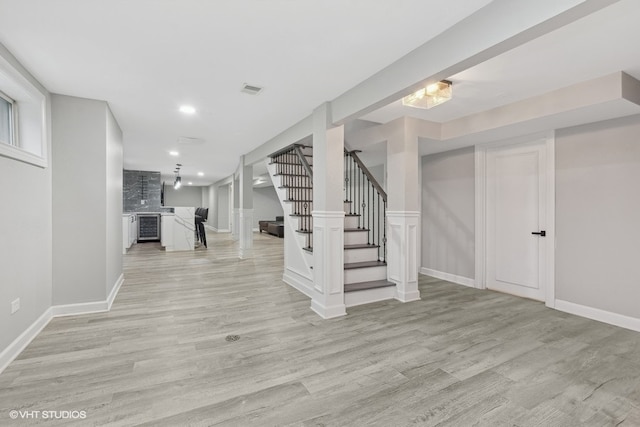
(275, 228)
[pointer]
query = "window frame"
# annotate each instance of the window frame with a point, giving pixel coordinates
(13, 121)
(32, 123)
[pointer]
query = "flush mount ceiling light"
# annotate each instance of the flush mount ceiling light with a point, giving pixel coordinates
(430, 96)
(174, 153)
(190, 183)
(187, 109)
(200, 173)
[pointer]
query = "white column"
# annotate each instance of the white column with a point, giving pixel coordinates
(402, 254)
(235, 223)
(328, 216)
(246, 233)
(403, 211)
(328, 264)
(245, 211)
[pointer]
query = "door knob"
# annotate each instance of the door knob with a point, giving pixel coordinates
(540, 233)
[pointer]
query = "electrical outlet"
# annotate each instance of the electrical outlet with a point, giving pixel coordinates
(15, 305)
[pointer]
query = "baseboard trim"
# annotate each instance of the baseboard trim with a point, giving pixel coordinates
(18, 345)
(298, 281)
(79, 308)
(460, 280)
(328, 312)
(609, 317)
(114, 291)
(219, 230)
(14, 349)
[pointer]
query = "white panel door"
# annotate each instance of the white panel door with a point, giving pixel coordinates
(516, 185)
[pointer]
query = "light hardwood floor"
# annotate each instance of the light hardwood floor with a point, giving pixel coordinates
(459, 357)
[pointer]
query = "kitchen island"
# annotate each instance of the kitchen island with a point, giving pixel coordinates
(175, 228)
(178, 229)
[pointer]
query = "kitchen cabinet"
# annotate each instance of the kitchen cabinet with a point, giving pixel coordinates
(129, 231)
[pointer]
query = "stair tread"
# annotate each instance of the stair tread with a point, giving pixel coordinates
(286, 163)
(296, 186)
(300, 215)
(363, 286)
(360, 246)
(364, 264)
(291, 174)
(351, 214)
(289, 200)
(355, 229)
(303, 231)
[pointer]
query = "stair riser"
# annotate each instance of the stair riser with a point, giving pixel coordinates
(366, 274)
(302, 240)
(368, 296)
(355, 237)
(351, 221)
(351, 255)
(360, 255)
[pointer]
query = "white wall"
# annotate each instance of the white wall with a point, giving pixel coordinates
(223, 208)
(79, 204)
(212, 219)
(184, 196)
(114, 201)
(87, 200)
(266, 205)
(25, 246)
(25, 236)
(448, 212)
(597, 216)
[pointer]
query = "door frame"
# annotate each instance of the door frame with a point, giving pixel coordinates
(548, 138)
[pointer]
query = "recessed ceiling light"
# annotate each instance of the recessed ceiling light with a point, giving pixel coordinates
(174, 153)
(187, 109)
(190, 183)
(200, 173)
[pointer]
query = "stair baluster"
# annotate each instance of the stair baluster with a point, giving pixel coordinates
(362, 190)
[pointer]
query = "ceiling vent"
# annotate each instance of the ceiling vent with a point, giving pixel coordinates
(186, 140)
(251, 89)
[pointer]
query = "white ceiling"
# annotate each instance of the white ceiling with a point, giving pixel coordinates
(597, 45)
(148, 57)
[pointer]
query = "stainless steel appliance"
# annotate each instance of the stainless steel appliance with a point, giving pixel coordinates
(148, 227)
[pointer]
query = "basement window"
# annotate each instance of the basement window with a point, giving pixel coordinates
(24, 114)
(7, 120)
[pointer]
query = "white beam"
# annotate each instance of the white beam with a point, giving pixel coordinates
(496, 28)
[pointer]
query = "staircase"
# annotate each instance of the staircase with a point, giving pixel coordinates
(365, 267)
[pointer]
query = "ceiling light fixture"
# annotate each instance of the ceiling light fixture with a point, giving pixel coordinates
(178, 182)
(187, 109)
(174, 153)
(190, 183)
(200, 173)
(430, 96)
